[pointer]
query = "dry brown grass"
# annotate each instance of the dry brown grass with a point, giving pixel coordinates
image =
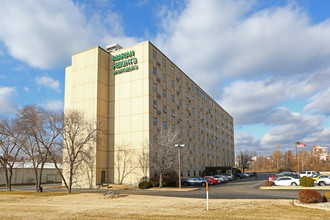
(18, 205)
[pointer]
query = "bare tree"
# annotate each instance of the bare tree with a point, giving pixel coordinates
(32, 121)
(277, 159)
(123, 162)
(244, 159)
(163, 154)
(78, 137)
(143, 161)
(10, 148)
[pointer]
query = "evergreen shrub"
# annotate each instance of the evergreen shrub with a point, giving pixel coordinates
(145, 185)
(309, 196)
(306, 181)
(154, 183)
(326, 197)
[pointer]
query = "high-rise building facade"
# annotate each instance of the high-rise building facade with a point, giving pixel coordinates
(134, 92)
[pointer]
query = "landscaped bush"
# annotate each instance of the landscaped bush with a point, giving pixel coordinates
(326, 197)
(154, 183)
(306, 181)
(269, 183)
(309, 196)
(145, 185)
(169, 183)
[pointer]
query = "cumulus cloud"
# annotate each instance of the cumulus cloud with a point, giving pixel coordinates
(320, 103)
(245, 141)
(54, 105)
(45, 33)
(48, 82)
(7, 105)
(226, 40)
(290, 127)
(250, 101)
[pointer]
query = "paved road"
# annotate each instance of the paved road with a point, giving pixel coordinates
(247, 188)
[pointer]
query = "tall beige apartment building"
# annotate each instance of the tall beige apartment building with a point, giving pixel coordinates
(136, 91)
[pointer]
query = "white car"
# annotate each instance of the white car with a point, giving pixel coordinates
(323, 181)
(286, 181)
(308, 173)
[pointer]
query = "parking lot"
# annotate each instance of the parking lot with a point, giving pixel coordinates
(246, 188)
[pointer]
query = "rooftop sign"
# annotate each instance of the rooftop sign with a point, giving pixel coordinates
(125, 62)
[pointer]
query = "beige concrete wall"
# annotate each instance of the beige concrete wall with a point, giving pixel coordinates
(86, 90)
(129, 121)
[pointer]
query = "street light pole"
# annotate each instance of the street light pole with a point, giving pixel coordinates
(179, 146)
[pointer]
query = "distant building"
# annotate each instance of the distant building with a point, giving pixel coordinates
(320, 152)
(23, 173)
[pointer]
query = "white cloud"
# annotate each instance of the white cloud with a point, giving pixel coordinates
(244, 141)
(251, 101)
(290, 127)
(45, 33)
(320, 102)
(225, 40)
(7, 105)
(26, 89)
(48, 82)
(54, 105)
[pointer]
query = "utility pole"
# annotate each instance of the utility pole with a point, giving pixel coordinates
(179, 146)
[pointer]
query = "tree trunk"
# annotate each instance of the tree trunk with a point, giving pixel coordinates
(161, 180)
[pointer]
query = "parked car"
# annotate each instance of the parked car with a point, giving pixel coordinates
(308, 173)
(323, 181)
(245, 175)
(320, 176)
(272, 178)
(221, 178)
(238, 175)
(229, 175)
(251, 173)
(210, 180)
(286, 181)
(194, 180)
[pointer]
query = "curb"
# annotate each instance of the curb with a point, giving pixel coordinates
(293, 187)
(322, 206)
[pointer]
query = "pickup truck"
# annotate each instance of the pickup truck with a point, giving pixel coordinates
(194, 180)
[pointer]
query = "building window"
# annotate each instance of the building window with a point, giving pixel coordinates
(164, 109)
(173, 113)
(155, 104)
(180, 102)
(172, 84)
(188, 172)
(198, 114)
(180, 117)
(192, 98)
(187, 133)
(188, 147)
(154, 70)
(192, 87)
(164, 77)
(186, 82)
(172, 69)
(155, 121)
(154, 54)
(164, 62)
(179, 76)
(164, 124)
(179, 89)
(187, 94)
(154, 87)
(173, 127)
(155, 138)
(173, 99)
(193, 111)
(164, 93)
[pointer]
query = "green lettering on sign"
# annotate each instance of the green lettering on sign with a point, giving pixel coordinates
(124, 62)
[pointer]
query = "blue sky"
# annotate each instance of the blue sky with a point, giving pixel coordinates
(266, 62)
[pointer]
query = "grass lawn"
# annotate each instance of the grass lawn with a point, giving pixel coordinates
(30, 205)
